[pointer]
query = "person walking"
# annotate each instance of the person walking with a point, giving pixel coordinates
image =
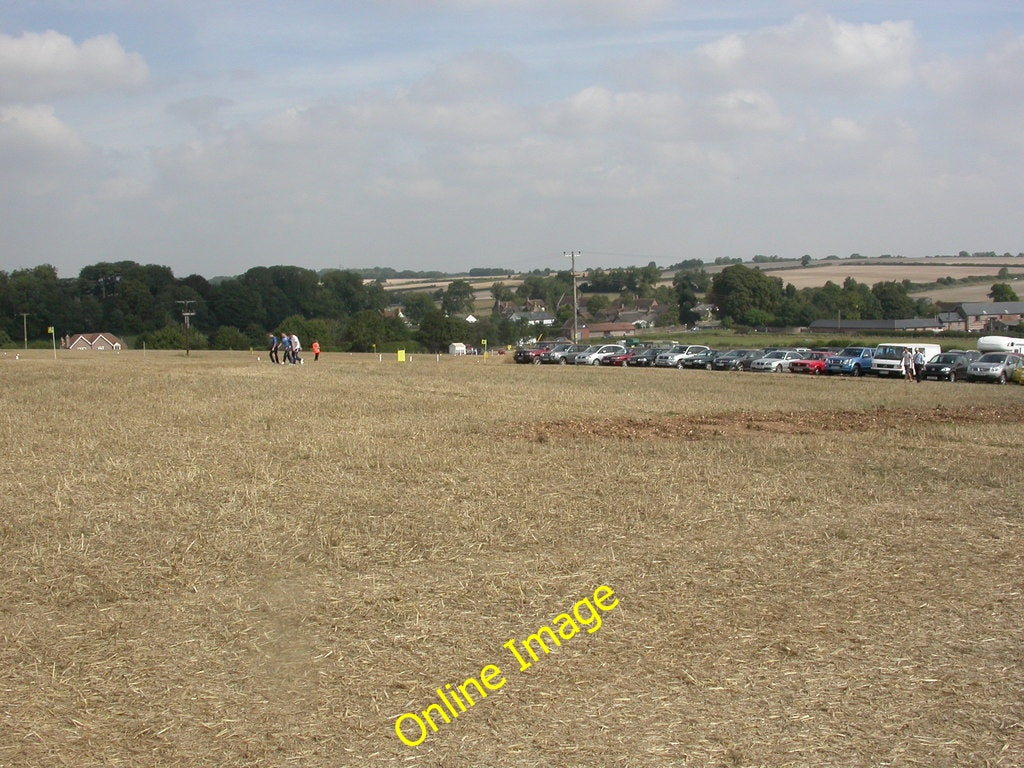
(274, 346)
(296, 349)
(919, 362)
(315, 346)
(908, 364)
(286, 347)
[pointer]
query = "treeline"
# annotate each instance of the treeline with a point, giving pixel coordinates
(144, 304)
(750, 297)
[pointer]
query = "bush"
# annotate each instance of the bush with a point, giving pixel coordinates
(171, 337)
(229, 337)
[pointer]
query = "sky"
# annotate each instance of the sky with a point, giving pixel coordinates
(215, 136)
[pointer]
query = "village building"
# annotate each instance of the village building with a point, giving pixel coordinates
(104, 342)
(987, 316)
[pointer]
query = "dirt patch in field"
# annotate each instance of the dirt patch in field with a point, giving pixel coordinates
(738, 424)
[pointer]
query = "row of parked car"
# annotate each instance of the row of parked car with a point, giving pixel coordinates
(885, 359)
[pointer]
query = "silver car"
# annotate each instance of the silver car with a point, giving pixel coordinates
(673, 358)
(593, 355)
(994, 366)
(777, 361)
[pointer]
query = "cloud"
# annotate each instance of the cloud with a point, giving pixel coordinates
(814, 52)
(37, 66)
(594, 11)
(199, 111)
(39, 154)
(36, 132)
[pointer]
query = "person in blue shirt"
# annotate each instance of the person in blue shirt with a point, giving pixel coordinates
(274, 346)
(286, 347)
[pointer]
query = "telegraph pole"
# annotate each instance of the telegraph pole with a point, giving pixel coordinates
(575, 300)
(186, 313)
(24, 327)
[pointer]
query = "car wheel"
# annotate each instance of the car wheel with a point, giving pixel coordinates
(562, 361)
(707, 366)
(679, 364)
(856, 370)
(597, 361)
(1001, 379)
(816, 371)
(536, 360)
(952, 377)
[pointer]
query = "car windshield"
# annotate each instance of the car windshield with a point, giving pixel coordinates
(850, 352)
(992, 357)
(890, 353)
(775, 355)
(944, 359)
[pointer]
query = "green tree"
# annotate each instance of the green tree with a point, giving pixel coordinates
(458, 298)
(416, 305)
(738, 289)
(1003, 292)
(228, 337)
(437, 331)
(596, 304)
(893, 299)
(365, 330)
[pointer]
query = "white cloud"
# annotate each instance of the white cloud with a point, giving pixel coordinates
(816, 51)
(35, 133)
(40, 65)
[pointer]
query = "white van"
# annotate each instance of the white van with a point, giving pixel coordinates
(888, 360)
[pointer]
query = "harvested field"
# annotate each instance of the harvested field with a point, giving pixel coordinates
(210, 561)
(871, 273)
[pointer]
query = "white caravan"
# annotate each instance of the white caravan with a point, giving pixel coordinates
(1000, 344)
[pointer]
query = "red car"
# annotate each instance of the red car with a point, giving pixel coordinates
(812, 362)
(620, 358)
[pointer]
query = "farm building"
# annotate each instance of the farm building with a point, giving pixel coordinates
(837, 325)
(89, 341)
(988, 315)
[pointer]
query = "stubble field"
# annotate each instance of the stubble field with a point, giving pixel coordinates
(215, 562)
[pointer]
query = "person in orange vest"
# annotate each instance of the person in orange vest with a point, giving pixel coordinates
(316, 350)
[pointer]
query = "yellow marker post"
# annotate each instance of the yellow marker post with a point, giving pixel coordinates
(483, 343)
(401, 355)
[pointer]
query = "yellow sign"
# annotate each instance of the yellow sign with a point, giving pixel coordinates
(50, 329)
(401, 355)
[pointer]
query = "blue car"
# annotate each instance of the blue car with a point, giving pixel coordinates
(850, 361)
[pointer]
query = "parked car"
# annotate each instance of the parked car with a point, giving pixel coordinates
(674, 357)
(736, 359)
(888, 359)
(812, 363)
(949, 366)
(645, 358)
(593, 355)
(620, 358)
(529, 354)
(970, 354)
(776, 362)
(850, 361)
(702, 359)
(997, 367)
(559, 353)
